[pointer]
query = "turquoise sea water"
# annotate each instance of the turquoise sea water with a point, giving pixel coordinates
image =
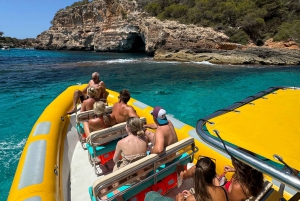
(31, 79)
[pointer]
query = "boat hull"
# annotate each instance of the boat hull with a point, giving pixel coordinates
(43, 173)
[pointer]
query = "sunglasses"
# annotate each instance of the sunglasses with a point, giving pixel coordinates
(94, 78)
(207, 157)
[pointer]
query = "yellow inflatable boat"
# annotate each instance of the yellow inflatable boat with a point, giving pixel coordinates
(54, 165)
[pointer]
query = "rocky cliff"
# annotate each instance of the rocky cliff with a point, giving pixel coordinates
(121, 26)
(109, 25)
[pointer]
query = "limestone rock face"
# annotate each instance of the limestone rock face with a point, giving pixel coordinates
(255, 55)
(120, 25)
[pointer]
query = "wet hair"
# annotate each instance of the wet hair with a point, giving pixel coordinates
(135, 126)
(99, 108)
(205, 172)
(250, 179)
(92, 92)
(124, 95)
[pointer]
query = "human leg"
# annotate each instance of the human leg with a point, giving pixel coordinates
(77, 94)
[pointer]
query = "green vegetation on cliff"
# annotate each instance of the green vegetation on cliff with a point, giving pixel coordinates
(14, 42)
(241, 20)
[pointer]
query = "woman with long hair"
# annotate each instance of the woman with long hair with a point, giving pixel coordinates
(134, 146)
(204, 174)
(245, 182)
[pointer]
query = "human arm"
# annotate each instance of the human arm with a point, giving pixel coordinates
(228, 168)
(158, 144)
(132, 112)
(86, 128)
(151, 126)
(188, 173)
(117, 152)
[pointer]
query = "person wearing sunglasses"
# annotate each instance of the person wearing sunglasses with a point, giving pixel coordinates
(82, 95)
(204, 173)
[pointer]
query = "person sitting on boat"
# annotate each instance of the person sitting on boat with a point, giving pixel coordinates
(165, 134)
(94, 82)
(121, 111)
(204, 188)
(88, 104)
(103, 92)
(133, 147)
(101, 121)
(245, 182)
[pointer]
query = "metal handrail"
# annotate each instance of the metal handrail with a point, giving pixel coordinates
(263, 166)
(154, 175)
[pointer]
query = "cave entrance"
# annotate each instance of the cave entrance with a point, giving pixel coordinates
(137, 44)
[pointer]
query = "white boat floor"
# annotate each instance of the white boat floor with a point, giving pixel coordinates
(82, 174)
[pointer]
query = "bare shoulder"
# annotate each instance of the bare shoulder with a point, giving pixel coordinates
(91, 82)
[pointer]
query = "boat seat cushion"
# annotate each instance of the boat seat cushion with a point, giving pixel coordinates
(102, 149)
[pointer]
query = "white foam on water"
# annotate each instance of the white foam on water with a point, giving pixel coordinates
(12, 145)
(121, 61)
(203, 62)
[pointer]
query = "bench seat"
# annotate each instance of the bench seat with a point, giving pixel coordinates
(161, 165)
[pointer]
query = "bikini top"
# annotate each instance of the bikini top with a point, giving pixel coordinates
(225, 192)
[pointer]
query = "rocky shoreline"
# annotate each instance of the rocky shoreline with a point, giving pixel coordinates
(121, 26)
(254, 55)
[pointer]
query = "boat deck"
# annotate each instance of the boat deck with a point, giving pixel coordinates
(82, 174)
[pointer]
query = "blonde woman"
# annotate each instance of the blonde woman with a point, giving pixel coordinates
(89, 103)
(134, 146)
(100, 121)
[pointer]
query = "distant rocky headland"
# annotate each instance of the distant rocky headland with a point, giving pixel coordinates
(122, 26)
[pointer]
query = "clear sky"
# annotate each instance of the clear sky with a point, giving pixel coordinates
(28, 18)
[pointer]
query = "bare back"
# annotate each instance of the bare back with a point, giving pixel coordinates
(88, 104)
(121, 112)
(132, 145)
(217, 193)
(164, 136)
(169, 134)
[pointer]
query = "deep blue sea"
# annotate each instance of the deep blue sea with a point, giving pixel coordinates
(31, 79)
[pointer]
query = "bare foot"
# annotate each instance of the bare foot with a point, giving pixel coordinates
(72, 111)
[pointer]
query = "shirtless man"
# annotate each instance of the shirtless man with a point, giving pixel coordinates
(94, 82)
(121, 111)
(165, 134)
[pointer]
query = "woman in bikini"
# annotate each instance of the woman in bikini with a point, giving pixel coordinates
(245, 182)
(100, 121)
(204, 173)
(133, 147)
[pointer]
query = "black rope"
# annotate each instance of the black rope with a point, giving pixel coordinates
(205, 120)
(222, 141)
